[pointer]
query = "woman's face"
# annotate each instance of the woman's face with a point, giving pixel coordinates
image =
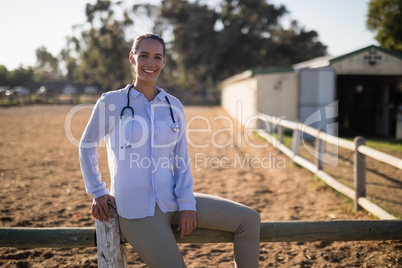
(149, 60)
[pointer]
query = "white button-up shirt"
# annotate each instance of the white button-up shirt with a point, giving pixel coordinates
(148, 161)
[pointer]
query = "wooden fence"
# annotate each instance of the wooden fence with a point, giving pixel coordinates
(111, 246)
(358, 194)
(25, 99)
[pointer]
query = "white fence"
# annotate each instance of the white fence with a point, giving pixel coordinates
(358, 194)
(111, 245)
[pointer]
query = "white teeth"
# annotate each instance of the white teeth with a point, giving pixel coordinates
(148, 71)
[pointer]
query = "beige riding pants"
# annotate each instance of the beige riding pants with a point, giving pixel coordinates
(152, 237)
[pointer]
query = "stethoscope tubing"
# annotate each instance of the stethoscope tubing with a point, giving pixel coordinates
(175, 126)
(128, 104)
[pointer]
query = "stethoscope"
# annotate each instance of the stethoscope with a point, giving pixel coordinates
(175, 126)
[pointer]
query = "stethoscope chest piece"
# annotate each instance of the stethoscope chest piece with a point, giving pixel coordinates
(175, 127)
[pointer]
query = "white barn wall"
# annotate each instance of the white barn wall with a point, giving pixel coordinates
(239, 99)
(307, 91)
(278, 95)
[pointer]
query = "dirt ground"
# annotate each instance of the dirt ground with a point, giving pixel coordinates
(41, 186)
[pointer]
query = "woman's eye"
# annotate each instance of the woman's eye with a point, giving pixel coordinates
(143, 56)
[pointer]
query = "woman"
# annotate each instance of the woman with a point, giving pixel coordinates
(151, 182)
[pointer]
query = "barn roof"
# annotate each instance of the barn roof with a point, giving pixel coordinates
(353, 53)
(319, 62)
(328, 59)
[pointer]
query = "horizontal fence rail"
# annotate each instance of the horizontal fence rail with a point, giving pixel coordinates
(358, 146)
(285, 231)
(47, 99)
(111, 244)
(380, 156)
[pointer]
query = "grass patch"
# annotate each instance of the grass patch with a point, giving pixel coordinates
(393, 212)
(319, 185)
(381, 144)
(394, 145)
(287, 138)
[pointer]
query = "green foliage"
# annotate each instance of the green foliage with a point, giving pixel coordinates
(383, 144)
(16, 77)
(4, 76)
(103, 50)
(21, 76)
(205, 44)
(386, 145)
(211, 44)
(46, 69)
(193, 50)
(47, 66)
(385, 18)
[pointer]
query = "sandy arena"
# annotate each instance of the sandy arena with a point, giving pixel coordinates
(42, 187)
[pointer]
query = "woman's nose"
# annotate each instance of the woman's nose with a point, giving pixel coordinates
(151, 62)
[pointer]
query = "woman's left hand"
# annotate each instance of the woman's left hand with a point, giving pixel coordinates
(187, 222)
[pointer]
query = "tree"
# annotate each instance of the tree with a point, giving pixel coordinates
(385, 18)
(254, 39)
(212, 43)
(71, 63)
(103, 50)
(4, 76)
(205, 43)
(295, 45)
(21, 76)
(193, 50)
(47, 66)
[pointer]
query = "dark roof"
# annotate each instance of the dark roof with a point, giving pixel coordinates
(282, 69)
(387, 51)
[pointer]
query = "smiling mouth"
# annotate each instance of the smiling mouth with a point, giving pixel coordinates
(149, 71)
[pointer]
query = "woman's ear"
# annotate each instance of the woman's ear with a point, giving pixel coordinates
(131, 58)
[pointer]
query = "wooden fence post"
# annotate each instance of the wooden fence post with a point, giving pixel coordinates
(296, 141)
(280, 134)
(271, 133)
(110, 243)
(319, 149)
(271, 128)
(359, 172)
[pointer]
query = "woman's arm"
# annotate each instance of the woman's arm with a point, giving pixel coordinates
(97, 128)
(182, 170)
(184, 181)
(88, 155)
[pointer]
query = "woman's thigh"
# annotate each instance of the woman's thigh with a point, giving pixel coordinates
(218, 213)
(152, 238)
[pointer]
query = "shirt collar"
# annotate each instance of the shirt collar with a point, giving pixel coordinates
(134, 93)
(162, 93)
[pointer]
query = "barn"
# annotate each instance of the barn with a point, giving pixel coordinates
(358, 93)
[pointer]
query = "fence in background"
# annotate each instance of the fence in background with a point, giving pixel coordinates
(9, 100)
(358, 194)
(111, 246)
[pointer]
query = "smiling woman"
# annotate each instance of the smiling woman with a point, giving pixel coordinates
(147, 58)
(152, 183)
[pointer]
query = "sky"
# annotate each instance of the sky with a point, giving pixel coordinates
(27, 25)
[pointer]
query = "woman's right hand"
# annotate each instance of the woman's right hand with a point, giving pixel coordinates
(100, 209)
